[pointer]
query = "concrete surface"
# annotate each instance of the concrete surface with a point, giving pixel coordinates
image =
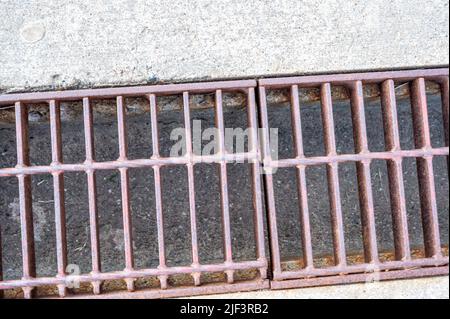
(61, 44)
(424, 288)
(176, 204)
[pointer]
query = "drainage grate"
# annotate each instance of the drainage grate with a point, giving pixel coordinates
(23, 171)
(341, 271)
(311, 270)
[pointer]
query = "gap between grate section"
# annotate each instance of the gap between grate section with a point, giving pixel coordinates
(199, 277)
(340, 266)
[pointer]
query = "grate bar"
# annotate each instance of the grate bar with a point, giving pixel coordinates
(165, 89)
(363, 174)
(364, 268)
(333, 176)
(445, 113)
(301, 180)
(345, 79)
(154, 125)
(191, 186)
(160, 225)
(296, 120)
(395, 172)
(270, 195)
(188, 291)
(388, 155)
(256, 182)
(125, 190)
(25, 200)
(58, 193)
(92, 193)
(138, 163)
(427, 190)
(224, 186)
(141, 273)
(363, 277)
(158, 191)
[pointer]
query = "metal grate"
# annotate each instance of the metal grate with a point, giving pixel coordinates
(57, 168)
(432, 263)
(341, 272)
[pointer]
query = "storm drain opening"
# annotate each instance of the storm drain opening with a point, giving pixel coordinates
(127, 215)
(373, 126)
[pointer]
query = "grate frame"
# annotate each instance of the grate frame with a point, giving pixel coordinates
(403, 266)
(23, 171)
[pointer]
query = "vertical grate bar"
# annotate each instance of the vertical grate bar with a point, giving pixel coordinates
(92, 193)
(224, 186)
(25, 199)
(154, 122)
(395, 172)
(425, 169)
(88, 130)
(268, 179)
(122, 129)
(125, 189)
(445, 111)
(301, 180)
(333, 176)
(158, 192)
(363, 174)
(256, 181)
(296, 121)
(58, 193)
(191, 186)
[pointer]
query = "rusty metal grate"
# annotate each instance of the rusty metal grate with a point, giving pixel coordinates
(341, 272)
(23, 171)
(403, 265)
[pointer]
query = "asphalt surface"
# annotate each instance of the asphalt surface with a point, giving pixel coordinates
(175, 197)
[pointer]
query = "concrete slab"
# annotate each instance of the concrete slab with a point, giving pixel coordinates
(61, 44)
